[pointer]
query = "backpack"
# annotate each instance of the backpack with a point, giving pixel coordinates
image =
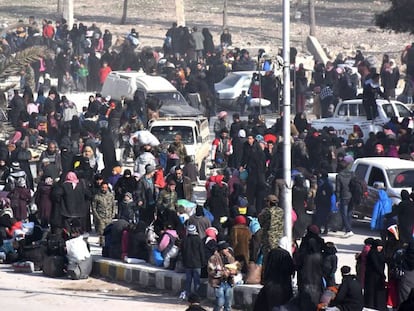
(358, 188)
(173, 242)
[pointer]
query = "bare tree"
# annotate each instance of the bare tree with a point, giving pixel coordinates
(124, 12)
(312, 19)
(225, 14)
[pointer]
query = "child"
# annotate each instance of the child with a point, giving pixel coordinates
(329, 263)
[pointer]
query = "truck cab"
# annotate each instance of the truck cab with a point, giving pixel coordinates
(195, 133)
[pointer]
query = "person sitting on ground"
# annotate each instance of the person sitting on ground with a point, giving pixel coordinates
(349, 296)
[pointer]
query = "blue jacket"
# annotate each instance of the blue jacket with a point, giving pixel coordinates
(382, 206)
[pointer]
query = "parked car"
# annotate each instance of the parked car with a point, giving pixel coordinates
(229, 89)
(389, 173)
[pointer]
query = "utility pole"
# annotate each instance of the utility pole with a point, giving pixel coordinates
(225, 15)
(179, 11)
(287, 165)
(60, 7)
(312, 19)
(124, 12)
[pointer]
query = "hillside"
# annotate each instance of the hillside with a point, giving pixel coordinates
(341, 24)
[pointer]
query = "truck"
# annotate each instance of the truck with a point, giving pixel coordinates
(350, 117)
(195, 134)
(137, 87)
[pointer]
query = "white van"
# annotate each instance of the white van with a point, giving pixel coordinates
(195, 133)
(138, 86)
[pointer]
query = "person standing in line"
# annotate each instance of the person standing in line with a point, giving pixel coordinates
(103, 210)
(193, 259)
(375, 293)
(344, 195)
(220, 276)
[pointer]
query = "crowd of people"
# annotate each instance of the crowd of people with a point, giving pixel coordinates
(237, 235)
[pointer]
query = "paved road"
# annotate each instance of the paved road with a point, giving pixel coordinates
(35, 292)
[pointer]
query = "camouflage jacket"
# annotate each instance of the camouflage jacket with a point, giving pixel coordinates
(272, 223)
(167, 200)
(103, 206)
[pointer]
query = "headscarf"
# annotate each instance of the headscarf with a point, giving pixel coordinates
(72, 178)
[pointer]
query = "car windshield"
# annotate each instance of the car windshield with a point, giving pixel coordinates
(169, 98)
(403, 111)
(401, 178)
(166, 134)
(231, 80)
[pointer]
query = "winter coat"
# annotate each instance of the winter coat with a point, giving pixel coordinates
(349, 297)
(103, 206)
(167, 200)
(329, 265)
(405, 213)
(193, 252)
(216, 268)
(342, 184)
(128, 211)
(43, 201)
(271, 221)
(19, 198)
(240, 236)
(71, 200)
(375, 294)
(277, 289)
(382, 207)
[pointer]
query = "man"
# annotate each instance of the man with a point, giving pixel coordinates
(254, 161)
(349, 295)
(193, 259)
(53, 155)
(198, 39)
(370, 94)
(183, 185)
(146, 194)
(220, 277)
(103, 210)
(221, 149)
(271, 221)
(180, 148)
(344, 195)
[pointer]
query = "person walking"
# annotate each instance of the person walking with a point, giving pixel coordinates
(382, 207)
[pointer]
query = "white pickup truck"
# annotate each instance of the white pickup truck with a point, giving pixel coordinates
(349, 117)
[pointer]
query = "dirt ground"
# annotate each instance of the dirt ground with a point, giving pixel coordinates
(341, 25)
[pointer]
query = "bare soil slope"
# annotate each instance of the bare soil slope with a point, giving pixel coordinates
(341, 24)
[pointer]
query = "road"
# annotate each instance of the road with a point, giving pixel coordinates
(36, 292)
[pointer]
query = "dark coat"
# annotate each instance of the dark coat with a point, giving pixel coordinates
(43, 200)
(349, 297)
(405, 213)
(19, 198)
(72, 201)
(277, 289)
(193, 252)
(375, 294)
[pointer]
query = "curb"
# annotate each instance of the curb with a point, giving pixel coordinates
(146, 275)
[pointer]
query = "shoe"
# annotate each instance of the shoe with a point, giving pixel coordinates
(348, 234)
(183, 295)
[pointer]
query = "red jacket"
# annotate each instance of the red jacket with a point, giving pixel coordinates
(103, 73)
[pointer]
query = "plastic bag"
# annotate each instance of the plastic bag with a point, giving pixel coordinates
(77, 249)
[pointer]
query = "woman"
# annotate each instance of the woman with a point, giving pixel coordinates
(277, 289)
(71, 195)
(405, 214)
(375, 294)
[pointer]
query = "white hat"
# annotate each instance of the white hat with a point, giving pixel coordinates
(191, 229)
